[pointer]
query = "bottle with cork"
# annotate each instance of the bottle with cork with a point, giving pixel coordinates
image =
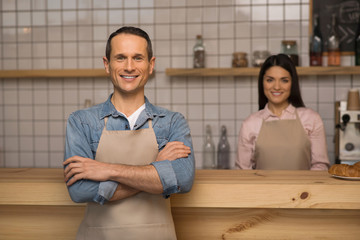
(199, 53)
(316, 42)
(209, 160)
(223, 161)
(333, 44)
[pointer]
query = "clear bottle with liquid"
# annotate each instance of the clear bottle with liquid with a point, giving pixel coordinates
(199, 53)
(316, 42)
(333, 44)
(223, 151)
(357, 45)
(209, 161)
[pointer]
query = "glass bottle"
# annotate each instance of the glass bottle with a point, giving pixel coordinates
(333, 44)
(209, 150)
(316, 42)
(289, 47)
(357, 45)
(199, 53)
(223, 150)
(87, 103)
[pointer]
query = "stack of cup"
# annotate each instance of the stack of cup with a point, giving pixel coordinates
(353, 101)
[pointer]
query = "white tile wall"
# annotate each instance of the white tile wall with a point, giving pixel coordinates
(53, 34)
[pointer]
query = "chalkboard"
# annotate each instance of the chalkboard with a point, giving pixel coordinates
(347, 14)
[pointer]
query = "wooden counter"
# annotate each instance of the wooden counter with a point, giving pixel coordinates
(223, 204)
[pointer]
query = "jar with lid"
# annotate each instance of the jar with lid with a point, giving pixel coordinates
(289, 47)
(239, 59)
(259, 57)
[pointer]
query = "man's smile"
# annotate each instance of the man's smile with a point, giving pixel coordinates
(129, 77)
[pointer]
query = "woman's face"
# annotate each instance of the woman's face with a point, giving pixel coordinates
(277, 86)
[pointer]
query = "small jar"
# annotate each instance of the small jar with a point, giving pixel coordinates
(239, 60)
(289, 47)
(259, 58)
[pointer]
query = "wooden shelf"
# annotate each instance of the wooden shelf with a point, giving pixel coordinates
(254, 71)
(53, 73)
(181, 72)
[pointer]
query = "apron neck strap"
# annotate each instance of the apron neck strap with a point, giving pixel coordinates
(297, 115)
(106, 118)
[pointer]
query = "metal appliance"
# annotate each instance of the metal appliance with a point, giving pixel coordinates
(349, 135)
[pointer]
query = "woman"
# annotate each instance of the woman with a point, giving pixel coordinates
(283, 134)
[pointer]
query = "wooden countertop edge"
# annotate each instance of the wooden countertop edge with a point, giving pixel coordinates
(47, 187)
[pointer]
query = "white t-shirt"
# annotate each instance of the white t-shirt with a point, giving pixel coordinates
(133, 117)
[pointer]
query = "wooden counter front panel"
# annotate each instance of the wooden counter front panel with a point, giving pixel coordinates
(295, 224)
(223, 204)
(39, 222)
(61, 223)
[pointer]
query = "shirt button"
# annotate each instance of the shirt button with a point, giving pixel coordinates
(127, 126)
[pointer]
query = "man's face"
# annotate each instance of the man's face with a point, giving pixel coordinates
(129, 67)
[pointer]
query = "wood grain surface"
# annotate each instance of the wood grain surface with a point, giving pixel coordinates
(223, 204)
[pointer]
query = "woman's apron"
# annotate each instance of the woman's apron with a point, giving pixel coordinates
(142, 216)
(283, 145)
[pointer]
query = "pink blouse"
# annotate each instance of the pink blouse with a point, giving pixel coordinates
(311, 122)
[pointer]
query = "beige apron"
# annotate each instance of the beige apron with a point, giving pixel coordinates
(142, 216)
(283, 145)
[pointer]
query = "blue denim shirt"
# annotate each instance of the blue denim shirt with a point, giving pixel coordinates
(83, 131)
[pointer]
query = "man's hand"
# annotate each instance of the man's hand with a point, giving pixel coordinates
(84, 168)
(173, 151)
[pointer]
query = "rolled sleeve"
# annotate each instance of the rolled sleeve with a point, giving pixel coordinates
(76, 144)
(105, 192)
(176, 176)
(167, 177)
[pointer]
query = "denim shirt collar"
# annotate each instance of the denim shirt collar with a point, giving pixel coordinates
(150, 111)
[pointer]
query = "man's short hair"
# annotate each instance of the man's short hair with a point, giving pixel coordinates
(129, 30)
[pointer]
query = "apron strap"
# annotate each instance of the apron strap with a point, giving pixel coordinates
(297, 115)
(150, 123)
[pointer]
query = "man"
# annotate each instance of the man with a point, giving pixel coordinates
(125, 157)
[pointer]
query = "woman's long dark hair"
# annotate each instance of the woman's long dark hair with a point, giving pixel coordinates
(286, 63)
